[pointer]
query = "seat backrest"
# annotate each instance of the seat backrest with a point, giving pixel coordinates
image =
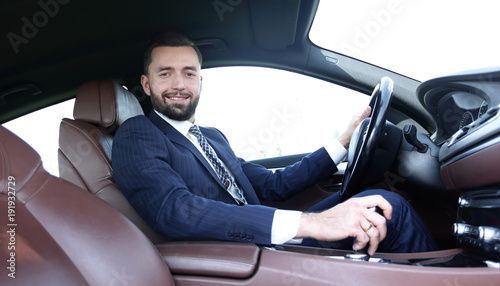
(85, 144)
(55, 233)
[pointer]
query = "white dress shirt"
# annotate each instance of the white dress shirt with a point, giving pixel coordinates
(285, 222)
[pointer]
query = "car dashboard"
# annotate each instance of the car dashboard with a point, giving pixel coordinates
(457, 101)
(466, 109)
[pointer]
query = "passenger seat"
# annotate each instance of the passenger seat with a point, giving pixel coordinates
(55, 233)
(85, 144)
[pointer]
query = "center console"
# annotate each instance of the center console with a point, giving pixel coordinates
(225, 263)
(478, 224)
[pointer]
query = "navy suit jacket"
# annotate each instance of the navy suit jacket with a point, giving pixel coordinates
(173, 187)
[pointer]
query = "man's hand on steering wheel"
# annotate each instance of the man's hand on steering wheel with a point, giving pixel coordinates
(345, 138)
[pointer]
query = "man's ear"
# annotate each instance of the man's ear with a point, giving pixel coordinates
(145, 85)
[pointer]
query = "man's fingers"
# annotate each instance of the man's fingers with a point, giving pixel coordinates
(367, 112)
(352, 218)
(358, 118)
(375, 238)
(360, 241)
(376, 201)
(367, 236)
(377, 221)
(373, 227)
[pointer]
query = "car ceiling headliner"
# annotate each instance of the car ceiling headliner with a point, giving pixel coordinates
(50, 47)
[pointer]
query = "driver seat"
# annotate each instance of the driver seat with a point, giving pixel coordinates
(55, 233)
(101, 106)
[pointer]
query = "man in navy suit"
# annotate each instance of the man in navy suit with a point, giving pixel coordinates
(170, 177)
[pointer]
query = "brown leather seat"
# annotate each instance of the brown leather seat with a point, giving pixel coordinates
(85, 144)
(55, 233)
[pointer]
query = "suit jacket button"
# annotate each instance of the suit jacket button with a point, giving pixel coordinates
(230, 234)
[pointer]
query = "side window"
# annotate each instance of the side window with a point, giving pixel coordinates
(267, 113)
(263, 112)
(40, 129)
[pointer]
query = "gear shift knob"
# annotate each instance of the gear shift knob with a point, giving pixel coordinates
(362, 255)
(358, 256)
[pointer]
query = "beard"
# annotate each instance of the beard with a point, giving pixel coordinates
(175, 111)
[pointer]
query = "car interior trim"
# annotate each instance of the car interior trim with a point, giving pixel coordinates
(475, 170)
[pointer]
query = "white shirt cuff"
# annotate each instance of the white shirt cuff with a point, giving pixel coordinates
(285, 226)
(336, 151)
(286, 222)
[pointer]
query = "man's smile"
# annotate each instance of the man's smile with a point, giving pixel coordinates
(178, 97)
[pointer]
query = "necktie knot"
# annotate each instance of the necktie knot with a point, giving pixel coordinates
(195, 130)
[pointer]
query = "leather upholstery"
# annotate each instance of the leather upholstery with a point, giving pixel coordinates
(105, 103)
(62, 234)
(211, 258)
(85, 144)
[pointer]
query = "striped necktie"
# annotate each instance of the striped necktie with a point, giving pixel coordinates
(226, 179)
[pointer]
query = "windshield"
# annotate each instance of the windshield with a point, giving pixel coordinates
(419, 39)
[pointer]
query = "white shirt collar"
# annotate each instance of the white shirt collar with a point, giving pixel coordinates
(181, 126)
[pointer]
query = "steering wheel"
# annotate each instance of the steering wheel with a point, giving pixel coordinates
(365, 140)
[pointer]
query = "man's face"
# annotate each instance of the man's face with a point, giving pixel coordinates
(174, 82)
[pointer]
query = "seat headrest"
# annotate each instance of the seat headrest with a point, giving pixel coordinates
(18, 162)
(106, 103)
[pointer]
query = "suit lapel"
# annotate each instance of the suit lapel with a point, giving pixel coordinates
(179, 139)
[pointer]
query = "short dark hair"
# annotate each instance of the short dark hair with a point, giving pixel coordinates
(168, 38)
